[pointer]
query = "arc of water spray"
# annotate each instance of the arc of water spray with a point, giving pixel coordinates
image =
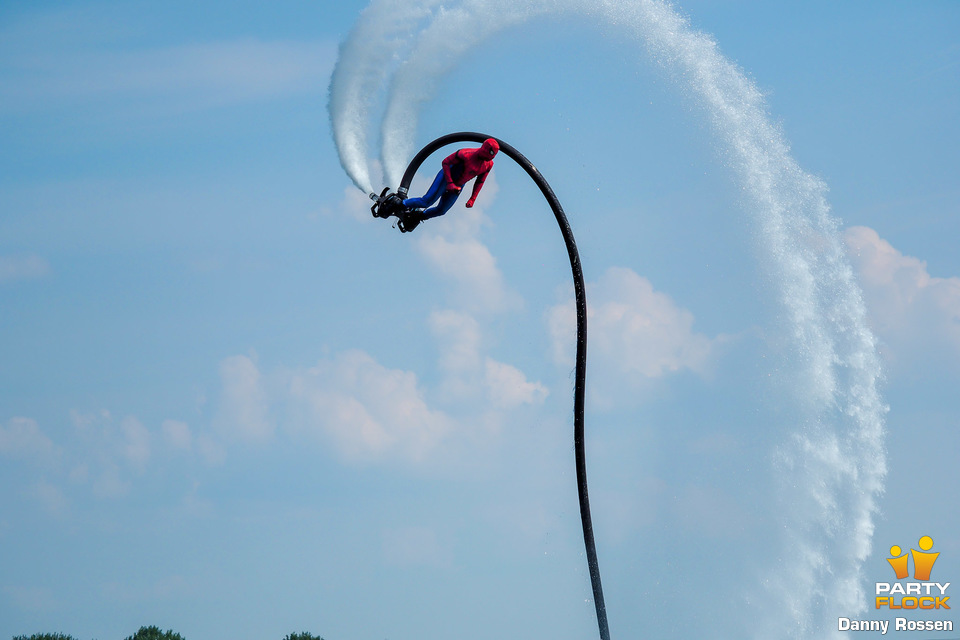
(835, 456)
(360, 72)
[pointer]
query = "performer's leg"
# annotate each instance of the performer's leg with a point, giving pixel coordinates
(446, 201)
(434, 192)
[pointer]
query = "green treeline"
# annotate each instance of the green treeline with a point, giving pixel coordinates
(152, 633)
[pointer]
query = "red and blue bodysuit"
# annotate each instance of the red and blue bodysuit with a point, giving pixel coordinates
(458, 168)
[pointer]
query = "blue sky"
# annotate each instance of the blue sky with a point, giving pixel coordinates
(235, 405)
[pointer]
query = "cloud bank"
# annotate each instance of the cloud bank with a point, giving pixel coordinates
(637, 334)
(917, 315)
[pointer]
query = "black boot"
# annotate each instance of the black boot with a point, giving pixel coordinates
(409, 220)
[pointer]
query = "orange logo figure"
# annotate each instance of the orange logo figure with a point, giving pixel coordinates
(922, 562)
(898, 562)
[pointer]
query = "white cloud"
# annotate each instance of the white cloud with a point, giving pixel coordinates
(472, 269)
(22, 438)
(180, 437)
(86, 422)
(369, 411)
(135, 448)
(177, 434)
(366, 411)
(109, 454)
(458, 337)
(468, 372)
(110, 481)
(179, 78)
(451, 247)
(243, 412)
(636, 332)
(911, 311)
(509, 388)
(25, 267)
(210, 450)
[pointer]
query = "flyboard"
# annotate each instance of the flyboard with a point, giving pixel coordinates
(389, 204)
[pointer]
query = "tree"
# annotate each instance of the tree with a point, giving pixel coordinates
(45, 636)
(154, 633)
(303, 635)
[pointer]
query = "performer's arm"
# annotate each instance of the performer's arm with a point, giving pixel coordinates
(477, 185)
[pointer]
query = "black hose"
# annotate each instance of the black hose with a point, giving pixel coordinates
(581, 369)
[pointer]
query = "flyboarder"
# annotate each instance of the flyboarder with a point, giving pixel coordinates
(458, 169)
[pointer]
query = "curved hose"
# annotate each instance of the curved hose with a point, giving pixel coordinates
(581, 367)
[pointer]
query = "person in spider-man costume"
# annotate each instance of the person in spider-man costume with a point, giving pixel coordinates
(458, 168)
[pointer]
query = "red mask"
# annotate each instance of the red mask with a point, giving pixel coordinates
(489, 149)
